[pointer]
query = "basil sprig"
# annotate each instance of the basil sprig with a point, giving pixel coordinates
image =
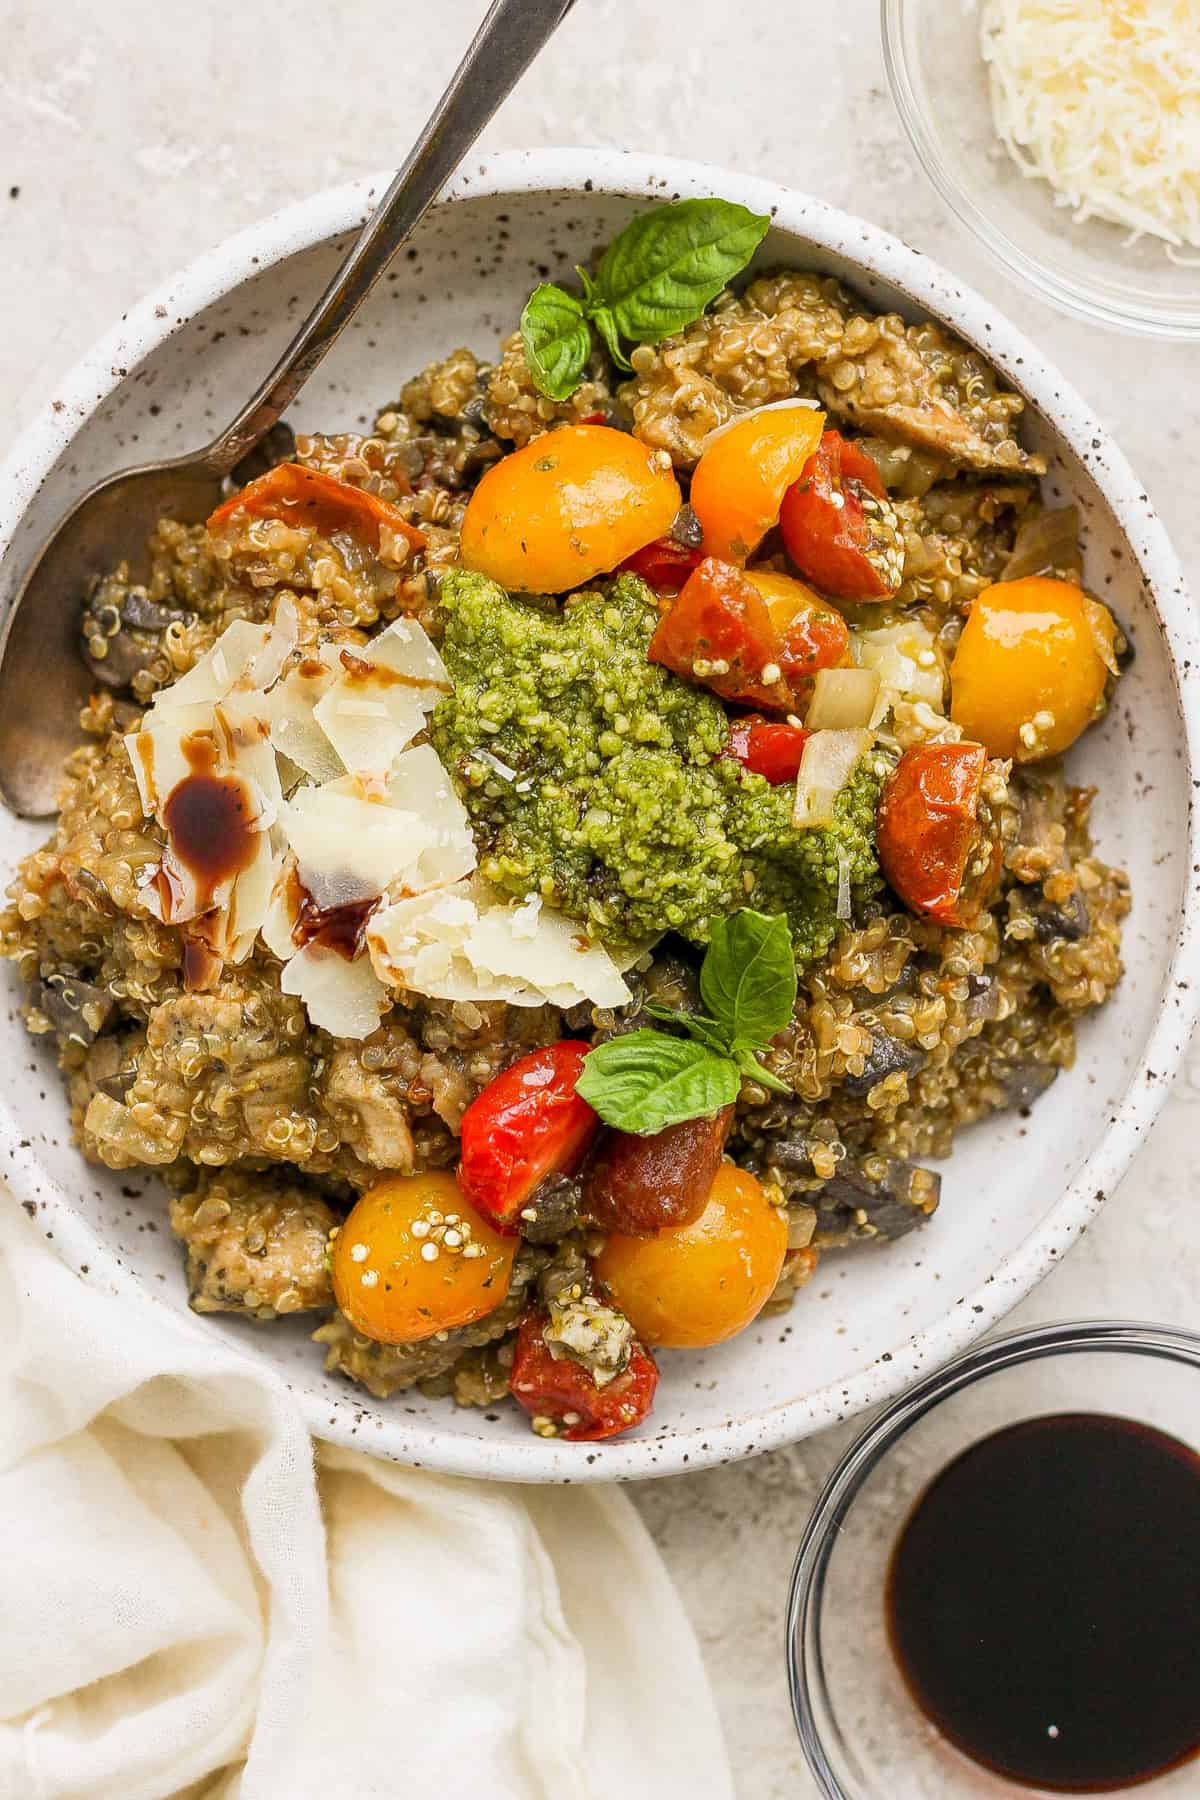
(655, 277)
(650, 1079)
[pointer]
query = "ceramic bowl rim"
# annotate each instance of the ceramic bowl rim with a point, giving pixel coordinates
(335, 211)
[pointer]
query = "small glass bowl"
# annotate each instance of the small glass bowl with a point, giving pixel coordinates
(863, 1735)
(939, 82)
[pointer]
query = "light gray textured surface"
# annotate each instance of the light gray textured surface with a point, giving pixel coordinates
(138, 135)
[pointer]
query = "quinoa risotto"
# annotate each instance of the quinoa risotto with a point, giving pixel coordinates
(540, 875)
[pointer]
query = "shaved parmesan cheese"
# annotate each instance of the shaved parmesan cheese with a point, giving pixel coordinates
(369, 720)
(218, 672)
(1101, 98)
(295, 733)
(379, 697)
(157, 755)
(407, 650)
(249, 901)
(343, 998)
(244, 737)
(420, 784)
(348, 848)
(462, 943)
(279, 918)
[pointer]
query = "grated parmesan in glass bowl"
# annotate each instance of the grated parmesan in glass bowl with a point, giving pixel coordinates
(1065, 135)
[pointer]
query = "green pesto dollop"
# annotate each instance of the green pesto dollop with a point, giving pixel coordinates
(602, 782)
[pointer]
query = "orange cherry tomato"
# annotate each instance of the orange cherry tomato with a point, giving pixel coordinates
(837, 526)
(938, 854)
(1030, 669)
(752, 638)
(811, 634)
(556, 1388)
(566, 507)
(745, 470)
(699, 1284)
(414, 1258)
(301, 496)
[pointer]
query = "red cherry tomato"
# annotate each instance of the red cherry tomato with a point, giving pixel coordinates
(526, 1124)
(664, 565)
(753, 637)
(937, 853)
(556, 1388)
(720, 632)
(837, 525)
(768, 747)
(301, 496)
(643, 1184)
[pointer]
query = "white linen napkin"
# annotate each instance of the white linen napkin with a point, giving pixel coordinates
(193, 1603)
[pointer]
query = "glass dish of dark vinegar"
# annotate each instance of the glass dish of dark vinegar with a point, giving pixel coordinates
(1043, 1602)
(998, 1592)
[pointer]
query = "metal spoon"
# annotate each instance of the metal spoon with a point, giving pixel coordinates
(43, 679)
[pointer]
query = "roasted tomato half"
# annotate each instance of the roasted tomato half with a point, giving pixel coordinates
(664, 565)
(751, 638)
(938, 848)
(642, 1184)
(302, 496)
(838, 526)
(526, 1124)
(551, 1387)
(768, 747)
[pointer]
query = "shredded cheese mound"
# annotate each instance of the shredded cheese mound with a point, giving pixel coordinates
(1101, 98)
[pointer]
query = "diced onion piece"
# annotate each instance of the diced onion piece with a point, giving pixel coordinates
(842, 699)
(341, 997)
(908, 662)
(829, 760)
(843, 889)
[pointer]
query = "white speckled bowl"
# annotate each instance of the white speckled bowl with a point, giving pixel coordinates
(1018, 1191)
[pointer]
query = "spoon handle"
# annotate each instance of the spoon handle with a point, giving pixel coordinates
(507, 41)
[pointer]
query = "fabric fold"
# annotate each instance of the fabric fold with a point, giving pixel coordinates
(200, 1602)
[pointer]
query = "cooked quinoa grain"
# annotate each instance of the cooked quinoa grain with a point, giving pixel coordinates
(597, 783)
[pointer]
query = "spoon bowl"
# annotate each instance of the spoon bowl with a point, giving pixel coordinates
(43, 680)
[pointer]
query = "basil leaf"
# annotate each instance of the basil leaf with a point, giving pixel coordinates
(605, 324)
(705, 1031)
(645, 1081)
(557, 341)
(661, 271)
(748, 977)
(747, 1061)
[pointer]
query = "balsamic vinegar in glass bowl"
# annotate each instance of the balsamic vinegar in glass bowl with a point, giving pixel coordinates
(1043, 1602)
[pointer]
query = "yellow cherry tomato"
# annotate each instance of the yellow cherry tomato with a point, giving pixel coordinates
(1030, 669)
(414, 1258)
(566, 507)
(746, 469)
(698, 1284)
